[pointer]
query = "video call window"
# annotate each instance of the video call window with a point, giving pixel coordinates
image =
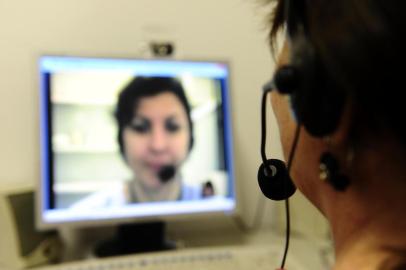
(122, 134)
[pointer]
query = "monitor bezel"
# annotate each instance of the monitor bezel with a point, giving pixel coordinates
(46, 152)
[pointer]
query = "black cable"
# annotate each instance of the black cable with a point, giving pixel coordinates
(259, 212)
(285, 253)
(266, 89)
(259, 209)
(265, 92)
(290, 161)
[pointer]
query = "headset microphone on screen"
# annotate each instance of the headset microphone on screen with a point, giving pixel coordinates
(166, 173)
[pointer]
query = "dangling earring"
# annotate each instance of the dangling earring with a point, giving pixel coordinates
(330, 171)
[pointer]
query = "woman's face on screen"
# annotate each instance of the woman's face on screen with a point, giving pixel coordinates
(158, 135)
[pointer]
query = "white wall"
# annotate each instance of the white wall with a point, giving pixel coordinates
(231, 30)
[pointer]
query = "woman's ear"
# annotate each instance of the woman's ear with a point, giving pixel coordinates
(284, 55)
(341, 136)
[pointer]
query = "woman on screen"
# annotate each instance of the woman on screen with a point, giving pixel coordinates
(155, 135)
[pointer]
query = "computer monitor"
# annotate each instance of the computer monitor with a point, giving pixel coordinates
(133, 140)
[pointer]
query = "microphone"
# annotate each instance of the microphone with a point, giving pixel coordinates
(166, 173)
(273, 176)
(274, 180)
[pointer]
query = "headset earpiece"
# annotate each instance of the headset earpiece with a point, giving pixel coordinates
(274, 180)
(315, 100)
(286, 80)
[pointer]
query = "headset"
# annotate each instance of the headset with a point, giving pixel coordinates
(316, 102)
(166, 173)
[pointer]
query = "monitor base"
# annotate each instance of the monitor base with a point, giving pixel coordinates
(135, 238)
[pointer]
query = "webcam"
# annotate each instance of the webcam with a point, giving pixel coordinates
(162, 49)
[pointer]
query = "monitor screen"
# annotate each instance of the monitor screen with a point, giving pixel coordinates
(132, 139)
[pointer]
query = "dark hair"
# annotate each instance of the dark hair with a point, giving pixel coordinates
(141, 87)
(361, 44)
(208, 184)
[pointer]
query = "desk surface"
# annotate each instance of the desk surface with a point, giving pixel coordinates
(258, 257)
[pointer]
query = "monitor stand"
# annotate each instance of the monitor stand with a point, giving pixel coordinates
(135, 238)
